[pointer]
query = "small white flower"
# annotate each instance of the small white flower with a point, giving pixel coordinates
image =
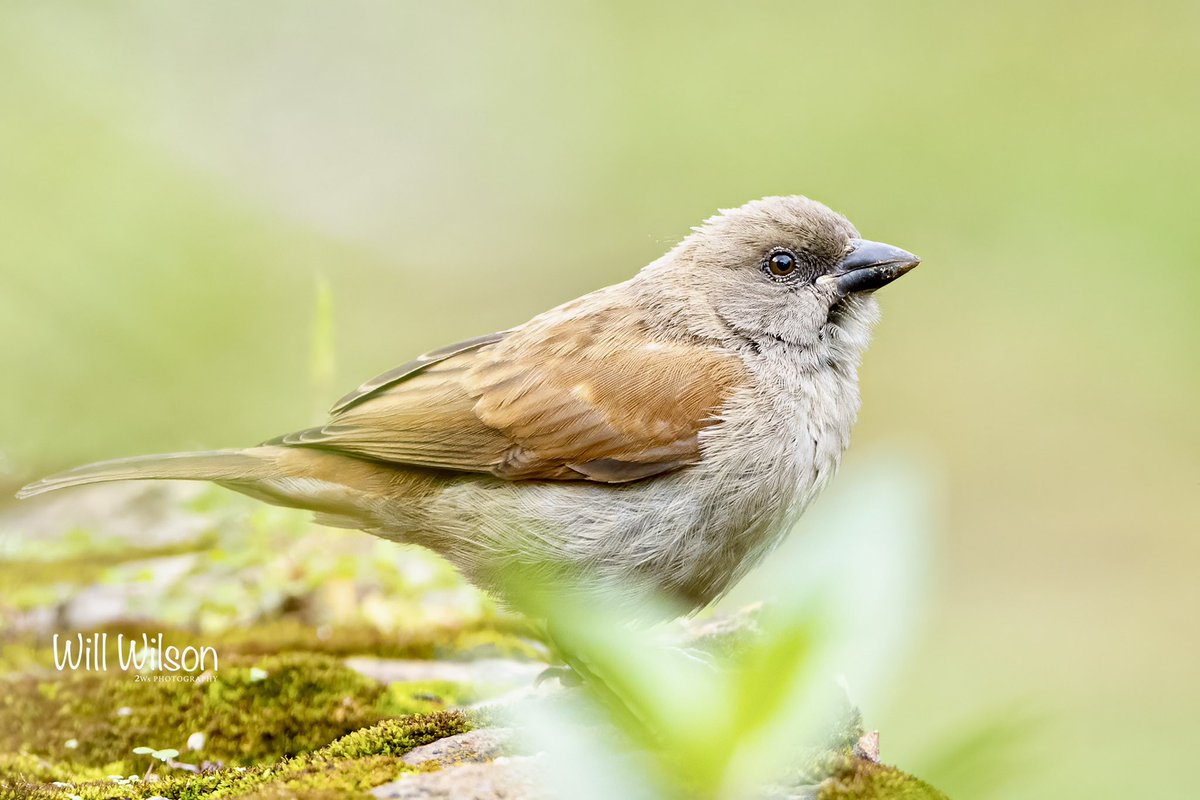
(196, 741)
(257, 674)
(124, 711)
(71, 744)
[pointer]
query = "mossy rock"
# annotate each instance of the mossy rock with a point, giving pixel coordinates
(862, 779)
(252, 711)
(346, 768)
(846, 766)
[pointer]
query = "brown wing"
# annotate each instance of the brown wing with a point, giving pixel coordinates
(570, 396)
(394, 376)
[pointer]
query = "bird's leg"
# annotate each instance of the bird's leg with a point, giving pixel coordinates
(564, 674)
(569, 671)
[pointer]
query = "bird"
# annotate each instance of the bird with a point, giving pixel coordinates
(653, 438)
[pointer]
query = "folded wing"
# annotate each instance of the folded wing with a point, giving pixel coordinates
(567, 397)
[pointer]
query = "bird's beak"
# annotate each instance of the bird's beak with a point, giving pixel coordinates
(870, 266)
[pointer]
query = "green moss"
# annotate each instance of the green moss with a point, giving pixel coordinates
(422, 697)
(489, 639)
(328, 780)
(310, 776)
(38, 769)
(840, 773)
(273, 716)
(398, 736)
(22, 655)
(511, 641)
(346, 768)
(860, 779)
(304, 702)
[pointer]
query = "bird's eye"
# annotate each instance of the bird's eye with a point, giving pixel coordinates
(780, 264)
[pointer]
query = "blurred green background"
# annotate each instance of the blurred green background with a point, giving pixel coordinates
(177, 179)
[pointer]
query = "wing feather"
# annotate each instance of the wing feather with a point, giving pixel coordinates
(567, 397)
(394, 376)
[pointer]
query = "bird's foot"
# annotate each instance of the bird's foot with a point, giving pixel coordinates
(566, 676)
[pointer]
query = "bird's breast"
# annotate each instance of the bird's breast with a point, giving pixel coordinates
(778, 443)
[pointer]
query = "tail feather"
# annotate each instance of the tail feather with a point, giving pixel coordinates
(212, 465)
(343, 490)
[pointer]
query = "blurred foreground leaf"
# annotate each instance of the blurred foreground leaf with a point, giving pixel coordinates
(765, 713)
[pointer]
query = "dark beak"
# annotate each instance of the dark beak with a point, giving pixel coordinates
(870, 266)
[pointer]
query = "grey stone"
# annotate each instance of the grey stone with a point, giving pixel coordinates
(477, 746)
(99, 604)
(494, 673)
(144, 513)
(502, 779)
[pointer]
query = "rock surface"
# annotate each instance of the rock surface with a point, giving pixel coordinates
(502, 779)
(476, 747)
(497, 673)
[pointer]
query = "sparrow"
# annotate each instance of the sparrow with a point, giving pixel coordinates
(654, 436)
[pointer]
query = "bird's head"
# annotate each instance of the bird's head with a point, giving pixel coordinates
(785, 268)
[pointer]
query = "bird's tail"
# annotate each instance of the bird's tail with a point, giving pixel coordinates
(212, 465)
(344, 491)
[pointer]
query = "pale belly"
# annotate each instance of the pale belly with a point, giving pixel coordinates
(688, 535)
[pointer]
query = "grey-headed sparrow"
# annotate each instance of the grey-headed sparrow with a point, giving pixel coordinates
(661, 432)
